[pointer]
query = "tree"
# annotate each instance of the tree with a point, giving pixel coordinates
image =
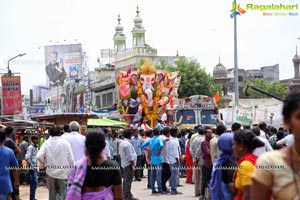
(276, 88)
(163, 65)
(194, 79)
(140, 63)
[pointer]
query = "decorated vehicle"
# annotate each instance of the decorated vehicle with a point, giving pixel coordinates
(145, 93)
(194, 110)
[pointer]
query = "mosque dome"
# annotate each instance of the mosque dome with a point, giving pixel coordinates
(119, 27)
(138, 20)
(220, 71)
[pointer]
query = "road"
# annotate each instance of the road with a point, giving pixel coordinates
(139, 191)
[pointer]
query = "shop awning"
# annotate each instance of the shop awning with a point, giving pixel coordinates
(104, 122)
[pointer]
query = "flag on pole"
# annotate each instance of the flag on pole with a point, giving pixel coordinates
(171, 102)
(217, 97)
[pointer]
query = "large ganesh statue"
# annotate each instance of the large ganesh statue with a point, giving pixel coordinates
(145, 93)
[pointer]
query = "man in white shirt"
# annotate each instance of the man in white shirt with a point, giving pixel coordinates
(263, 129)
(173, 155)
(197, 159)
(128, 163)
(76, 140)
(145, 126)
(109, 138)
(56, 154)
(134, 125)
(286, 141)
(260, 150)
(164, 117)
(106, 151)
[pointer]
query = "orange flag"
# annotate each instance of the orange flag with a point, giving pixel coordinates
(171, 102)
(217, 97)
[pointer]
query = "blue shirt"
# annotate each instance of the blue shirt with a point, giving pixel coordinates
(159, 126)
(182, 141)
(137, 143)
(7, 159)
(155, 143)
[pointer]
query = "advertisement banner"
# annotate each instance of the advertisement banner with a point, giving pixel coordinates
(11, 95)
(36, 110)
(74, 72)
(39, 93)
(60, 59)
(244, 116)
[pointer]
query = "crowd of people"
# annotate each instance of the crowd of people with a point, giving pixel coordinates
(258, 162)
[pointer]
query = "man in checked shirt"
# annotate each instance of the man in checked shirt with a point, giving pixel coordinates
(32, 164)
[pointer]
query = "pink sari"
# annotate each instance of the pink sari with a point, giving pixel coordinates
(75, 183)
(105, 194)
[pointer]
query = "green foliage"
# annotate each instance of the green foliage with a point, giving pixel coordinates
(164, 66)
(194, 79)
(275, 88)
(149, 49)
(141, 62)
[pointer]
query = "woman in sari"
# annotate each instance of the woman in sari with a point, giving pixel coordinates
(277, 173)
(188, 159)
(244, 143)
(94, 177)
(221, 185)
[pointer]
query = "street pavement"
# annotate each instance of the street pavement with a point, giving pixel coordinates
(138, 189)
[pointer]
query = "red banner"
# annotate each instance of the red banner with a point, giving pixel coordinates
(11, 95)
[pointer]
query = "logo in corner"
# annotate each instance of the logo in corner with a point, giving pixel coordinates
(236, 10)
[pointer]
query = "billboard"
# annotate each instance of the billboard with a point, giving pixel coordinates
(39, 93)
(74, 72)
(62, 62)
(36, 110)
(11, 95)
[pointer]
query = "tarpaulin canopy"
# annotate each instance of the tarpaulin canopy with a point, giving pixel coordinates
(21, 123)
(104, 122)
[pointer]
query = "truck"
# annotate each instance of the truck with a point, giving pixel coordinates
(193, 111)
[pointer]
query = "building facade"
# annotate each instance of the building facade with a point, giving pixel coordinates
(270, 73)
(221, 77)
(103, 87)
(105, 90)
(242, 78)
(267, 73)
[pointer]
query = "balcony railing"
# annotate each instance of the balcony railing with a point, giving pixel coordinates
(134, 52)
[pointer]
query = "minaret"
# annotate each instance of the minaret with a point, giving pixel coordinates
(295, 85)
(296, 61)
(119, 38)
(138, 31)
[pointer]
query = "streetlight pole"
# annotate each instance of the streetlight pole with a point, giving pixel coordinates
(8, 69)
(236, 72)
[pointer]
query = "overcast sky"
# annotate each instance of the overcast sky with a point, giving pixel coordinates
(200, 29)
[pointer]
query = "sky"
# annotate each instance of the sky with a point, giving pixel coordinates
(199, 29)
